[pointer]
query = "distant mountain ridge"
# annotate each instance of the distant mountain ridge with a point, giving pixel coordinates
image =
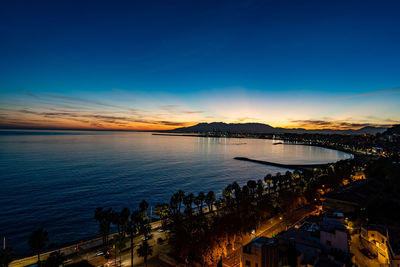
(260, 128)
(395, 129)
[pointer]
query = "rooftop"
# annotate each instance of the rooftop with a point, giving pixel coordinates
(261, 241)
(358, 192)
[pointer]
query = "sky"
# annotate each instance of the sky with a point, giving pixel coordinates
(154, 65)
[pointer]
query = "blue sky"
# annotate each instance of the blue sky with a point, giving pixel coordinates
(163, 64)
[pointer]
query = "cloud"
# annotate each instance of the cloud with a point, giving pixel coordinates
(177, 109)
(99, 119)
(192, 112)
(29, 94)
(246, 119)
(79, 101)
(83, 100)
(335, 124)
(394, 90)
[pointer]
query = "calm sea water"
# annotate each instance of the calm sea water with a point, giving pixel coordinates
(55, 180)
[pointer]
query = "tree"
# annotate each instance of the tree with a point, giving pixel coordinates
(179, 196)
(201, 197)
(120, 244)
(173, 204)
(268, 181)
(104, 217)
(143, 206)
(37, 241)
(252, 186)
(210, 199)
(144, 251)
(260, 188)
(124, 218)
(162, 211)
(188, 201)
(277, 179)
(227, 194)
(132, 229)
(116, 220)
(197, 202)
(6, 256)
(55, 259)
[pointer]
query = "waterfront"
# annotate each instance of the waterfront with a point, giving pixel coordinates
(46, 176)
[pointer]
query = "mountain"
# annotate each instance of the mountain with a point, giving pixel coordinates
(225, 127)
(395, 129)
(260, 128)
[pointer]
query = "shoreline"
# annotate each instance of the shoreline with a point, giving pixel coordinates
(285, 166)
(283, 142)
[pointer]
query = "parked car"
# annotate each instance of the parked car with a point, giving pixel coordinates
(147, 237)
(100, 253)
(367, 253)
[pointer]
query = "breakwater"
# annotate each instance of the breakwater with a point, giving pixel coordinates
(286, 166)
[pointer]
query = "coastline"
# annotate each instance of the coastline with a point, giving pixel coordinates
(196, 135)
(354, 155)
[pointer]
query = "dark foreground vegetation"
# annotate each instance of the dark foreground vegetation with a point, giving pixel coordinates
(204, 227)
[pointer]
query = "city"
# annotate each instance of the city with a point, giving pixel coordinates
(230, 133)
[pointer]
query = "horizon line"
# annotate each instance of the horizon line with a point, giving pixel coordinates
(165, 130)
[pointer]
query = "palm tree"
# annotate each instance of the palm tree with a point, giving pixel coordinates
(115, 219)
(173, 204)
(132, 229)
(210, 199)
(252, 186)
(143, 206)
(180, 195)
(55, 259)
(277, 179)
(37, 241)
(120, 243)
(245, 193)
(260, 188)
(162, 211)
(144, 251)
(197, 202)
(268, 180)
(6, 256)
(188, 201)
(98, 213)
(124, 218)
(104, 217)
(227, 194)
(201, 197)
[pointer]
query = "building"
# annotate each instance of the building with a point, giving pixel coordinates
(261, 252)
(319, 241)
(333, 233)
(359, 175)
(376, 239)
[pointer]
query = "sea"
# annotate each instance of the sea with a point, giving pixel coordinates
(56, 179)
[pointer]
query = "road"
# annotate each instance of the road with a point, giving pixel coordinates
(269, 228)
(360, 259)
(88, 250)
(125, 255)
